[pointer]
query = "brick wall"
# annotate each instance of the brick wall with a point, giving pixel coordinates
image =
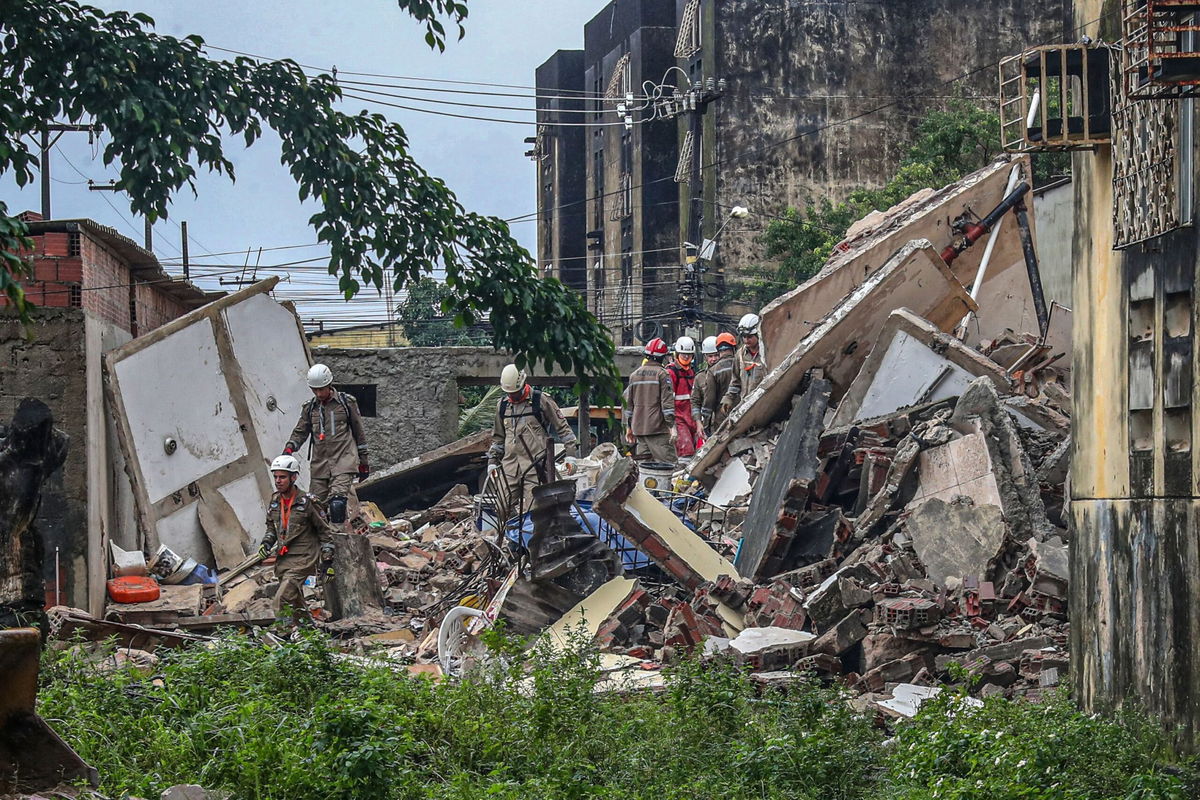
(154, 308)
(105, 284)
(73, 270)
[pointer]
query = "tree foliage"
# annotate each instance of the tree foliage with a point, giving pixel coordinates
(424, 316)
(165, 105)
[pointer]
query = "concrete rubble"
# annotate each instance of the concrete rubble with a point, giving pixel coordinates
(885, 511)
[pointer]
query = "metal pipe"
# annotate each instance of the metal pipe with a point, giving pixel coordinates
(57, 578)
(975, 232)
(961, 330)
(1031, 266)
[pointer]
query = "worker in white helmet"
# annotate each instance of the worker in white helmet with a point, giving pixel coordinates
(298, 533)
(749, 364)
(712, 382)
(682, 370)
(339, 444)
(521, 454)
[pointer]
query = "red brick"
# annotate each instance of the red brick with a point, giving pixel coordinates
(54, 244)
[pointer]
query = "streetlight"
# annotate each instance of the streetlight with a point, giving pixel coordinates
(709, 246)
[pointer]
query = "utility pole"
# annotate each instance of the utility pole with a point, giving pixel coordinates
(694, 103)
(46, 143)
(183, 248)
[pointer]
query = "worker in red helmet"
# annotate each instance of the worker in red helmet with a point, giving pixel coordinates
(649, 412)
(683, 377)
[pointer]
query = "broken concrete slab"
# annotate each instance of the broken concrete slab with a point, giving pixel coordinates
(624, 502)
(979, 410)
(420, 481)
(590, 613)
(956, 539)
(907, 698)
(913, 362)
(734, 483)
(847, 632)
(961, 467)
(173, 602)
(794, 315)
(772, 520)
(770, 647)
(914, 277)
(355, 587)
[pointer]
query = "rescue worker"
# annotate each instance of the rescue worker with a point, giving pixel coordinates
(339, 445)
(297, 524)
(650, 408)
(712, 384)
(749, 364)
(521, 439)
(683, 378)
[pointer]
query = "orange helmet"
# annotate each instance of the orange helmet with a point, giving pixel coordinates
(726, 340)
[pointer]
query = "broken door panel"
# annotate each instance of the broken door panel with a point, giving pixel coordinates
(181, 409)
(270, 363)
(202, 405)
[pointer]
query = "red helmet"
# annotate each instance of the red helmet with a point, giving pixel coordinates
(656, 348)
(726, 340)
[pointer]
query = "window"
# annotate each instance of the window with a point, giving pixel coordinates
(364, 393)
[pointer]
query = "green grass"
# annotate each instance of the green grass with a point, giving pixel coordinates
(296, 722)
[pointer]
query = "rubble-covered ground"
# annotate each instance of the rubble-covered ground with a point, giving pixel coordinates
(244, 717)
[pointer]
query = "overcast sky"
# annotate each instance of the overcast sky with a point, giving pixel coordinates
(482, 162)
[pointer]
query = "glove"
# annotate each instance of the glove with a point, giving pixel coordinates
(327, 560)
(673, 435)
(492, 469)
(264, 551)
(287, 451)
(629, 437)
(699, 429)
(363, 472)
(726, 406)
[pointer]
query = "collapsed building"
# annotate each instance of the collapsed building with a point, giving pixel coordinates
(887, 506)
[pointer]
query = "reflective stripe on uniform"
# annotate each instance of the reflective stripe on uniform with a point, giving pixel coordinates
(683, 397)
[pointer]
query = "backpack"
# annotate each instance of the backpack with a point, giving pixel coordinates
(535, 399)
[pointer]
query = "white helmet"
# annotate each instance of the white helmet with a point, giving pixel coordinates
(285, 464)
(685, 345)
(319, 376)
(512, 379)
(709, 345)
(748, 324)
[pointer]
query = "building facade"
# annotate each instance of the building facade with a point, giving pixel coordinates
(558, 153)
(632, 238)
(800, 102)
(95, 290)
(1135, 472)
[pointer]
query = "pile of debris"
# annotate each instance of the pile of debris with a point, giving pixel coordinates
(885, 509)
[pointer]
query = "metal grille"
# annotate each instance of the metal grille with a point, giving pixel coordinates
(1055, 97)
(1160, 60)
(688, 42)
(1145, 202)
(618, 83)
(683, 172)
(622, 199)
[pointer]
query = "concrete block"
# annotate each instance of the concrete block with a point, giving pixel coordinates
(956, 539)
(767, 648)
(849, 631)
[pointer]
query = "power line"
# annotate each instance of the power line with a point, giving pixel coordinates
(481, 119)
